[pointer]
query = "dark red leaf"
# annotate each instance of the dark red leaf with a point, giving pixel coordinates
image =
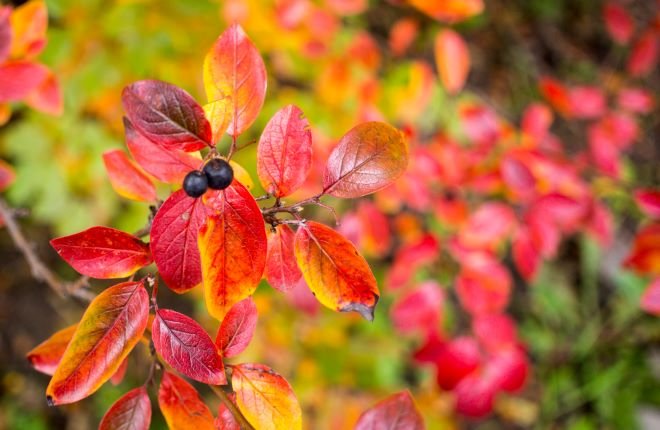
(237, 328)
(397, 412)
(131, 412)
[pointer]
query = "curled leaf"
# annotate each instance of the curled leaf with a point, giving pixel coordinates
(367, 159)
(111, 326)
(103, 252)
(337, 274)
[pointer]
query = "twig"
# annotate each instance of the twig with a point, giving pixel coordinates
(238, 415)
(39, 270)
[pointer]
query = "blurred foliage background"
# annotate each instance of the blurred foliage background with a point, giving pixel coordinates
(595, 355)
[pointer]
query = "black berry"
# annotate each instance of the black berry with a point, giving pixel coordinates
(218, 173)
(195, 184)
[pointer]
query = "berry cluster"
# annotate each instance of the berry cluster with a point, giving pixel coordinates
(217, 174)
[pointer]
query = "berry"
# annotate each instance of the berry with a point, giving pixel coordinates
(195, 184)
(218, 173)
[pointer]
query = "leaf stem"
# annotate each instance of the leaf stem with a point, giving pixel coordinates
(238, 415)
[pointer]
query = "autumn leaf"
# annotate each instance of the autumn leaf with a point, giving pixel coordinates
(618, 22)
(47, 355)
(284, 154)
(648, 200)
(237, 328)
(120, 373)
(131, 412)
(235, 82)
(650, 300)
(20, 78)
(127, 179)
(367, 159)
(5, 32)
(29, 23)
(233, 248)
(452, 59)
(225, 420)
(397, 412)
(47, 96)
(167, 115)
(103, 252)
(282, 272)
(174, 241)
(339, 277)
(265, 398)
(109, 329)
(449, 10)
(169, 166)
(185, 346)
(181, 405)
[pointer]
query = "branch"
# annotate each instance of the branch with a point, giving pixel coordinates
(238, 415)
(39, 270)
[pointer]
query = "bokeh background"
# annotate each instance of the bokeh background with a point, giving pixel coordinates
(593, 353)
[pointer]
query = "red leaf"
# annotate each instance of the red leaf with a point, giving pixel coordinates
(644, 256)
(47, 96)
(120, 373)
(103, 252)
(368, 158)
(480, 123)
(233, 248)
(397, 412)
(225, 419)
(644, 55)
(484, 287)
(284, 154)
(419, 309)
(509, 369)
(20, 78)
(537, 120)
(649, 202)
(47, 355)
(525, 254)
(265, 398)
(455, 360)
(235, 82)
(452, 59)
(495, 331)
(108, 331)
(237, 328)
(337, 274)
(186, 347)
(402, 35)
(174, 241)
(166, 165)
(126, 179)
(636, 100)
(556, 94)
(410, 257)
(181, 406)
(587, 102)
(131, 412)
(650, 301)
(475, 395)
(282, 272)
(618, 22)
(487, 227)
(167, 115)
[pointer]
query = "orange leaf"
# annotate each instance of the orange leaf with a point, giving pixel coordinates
(282, 272)
(126, 178)
(235, 82)
(449, 10)
(29, 23)
(233, 247)
(103, 252)
(265, 398)
(131, 412)
(181, 406)
(339, 277)
(397, 412)
(111, 326)
(367, 159)
(452, 59)
(47, 355)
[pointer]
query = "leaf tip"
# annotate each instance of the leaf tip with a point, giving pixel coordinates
(50, 401)
(365, 311)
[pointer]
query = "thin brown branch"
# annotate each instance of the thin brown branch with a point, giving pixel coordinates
(39, 270)
(238, 415)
